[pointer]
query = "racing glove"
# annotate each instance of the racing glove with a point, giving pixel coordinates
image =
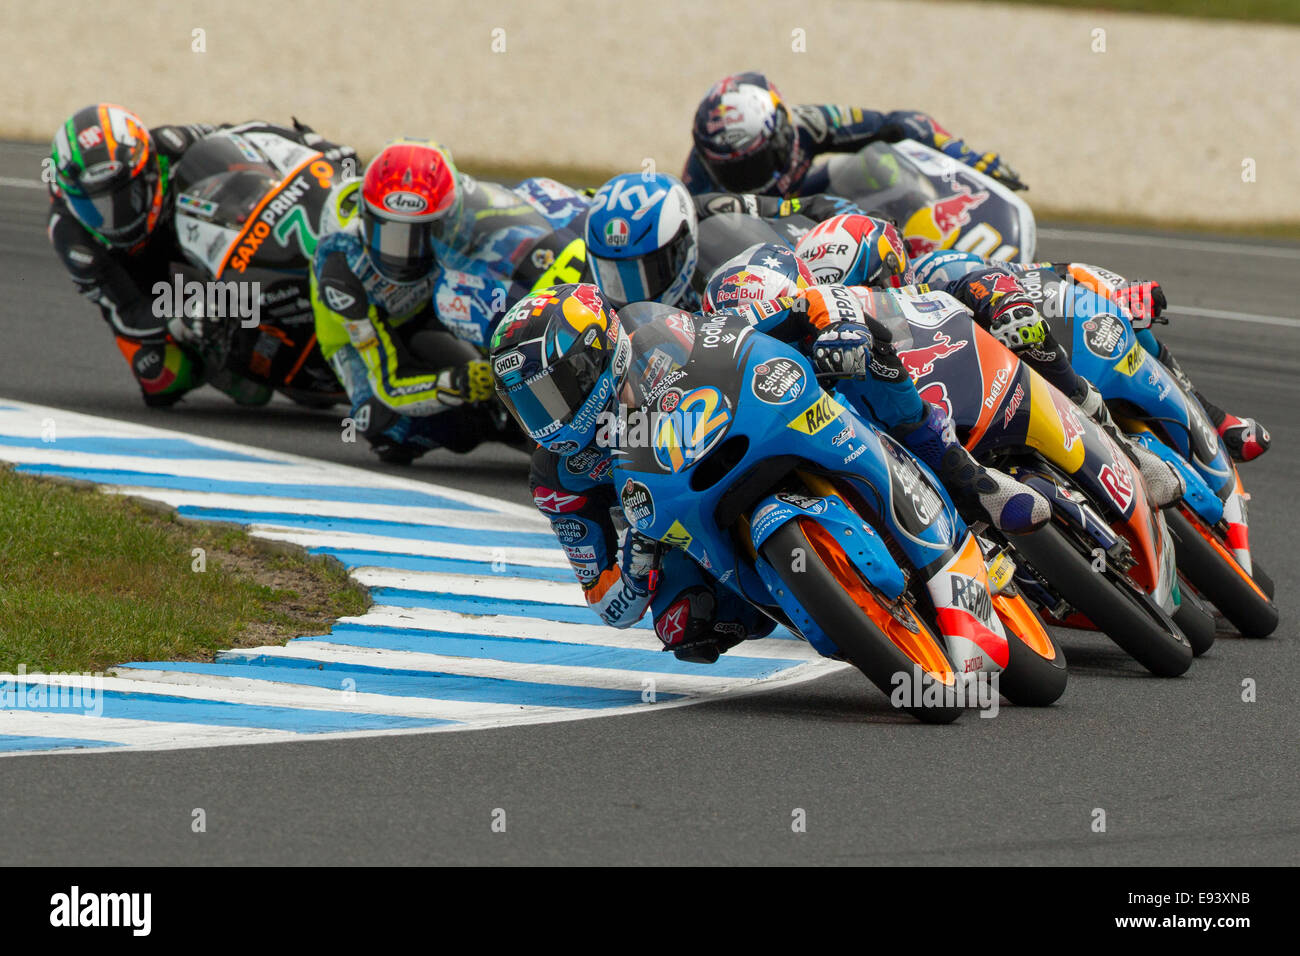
(469, 383)
(1145, 302)
(1019, 327)
(991, 164)
(842, 351)
(207, 337)
(639, 557)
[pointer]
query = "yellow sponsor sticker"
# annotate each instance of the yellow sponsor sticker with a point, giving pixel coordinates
(1130, 363)
(1001, 568)
(677, 536)
(817, 415)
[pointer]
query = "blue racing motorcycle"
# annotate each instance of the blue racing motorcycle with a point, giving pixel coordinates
(1209, 526)
(734, 454)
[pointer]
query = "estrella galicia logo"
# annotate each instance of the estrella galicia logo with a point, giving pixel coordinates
(582, 462)
(637, 503)
(778, 382)
(569, 530)
(1103, 334)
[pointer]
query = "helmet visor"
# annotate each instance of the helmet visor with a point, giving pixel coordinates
(547, 402)
(644, 278)
(757, 170)
(118, 213)
(402, 251)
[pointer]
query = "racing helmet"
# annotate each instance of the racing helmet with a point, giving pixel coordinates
(559, 360)
(642, 239)
(744, 135)
(763, 272)
(855, 249)
(108, 172)
(410, 193)
(945, 265)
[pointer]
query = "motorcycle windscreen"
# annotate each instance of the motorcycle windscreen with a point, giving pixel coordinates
(728, 234)
(880, 179)
(217, 154)
(662, 340)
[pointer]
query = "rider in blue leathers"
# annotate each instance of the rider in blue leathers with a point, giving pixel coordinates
(561, 359)
(1140, 302)
(747, 139)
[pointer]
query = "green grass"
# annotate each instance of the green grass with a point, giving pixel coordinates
(1274, 11)
(88, 580)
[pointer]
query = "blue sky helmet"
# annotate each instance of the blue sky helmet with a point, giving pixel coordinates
(642, 239)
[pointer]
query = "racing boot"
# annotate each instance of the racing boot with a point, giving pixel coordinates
(1162, 480)
(1245, 438)
(1012, 507)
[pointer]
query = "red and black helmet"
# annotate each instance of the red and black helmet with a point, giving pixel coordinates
(107, 171)
(409, 196)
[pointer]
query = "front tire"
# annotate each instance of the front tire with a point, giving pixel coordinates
(1031, 678)
(1161, 649)
(1196, 620)
(833, 609)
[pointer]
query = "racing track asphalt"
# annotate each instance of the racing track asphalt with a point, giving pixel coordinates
(1187, 772)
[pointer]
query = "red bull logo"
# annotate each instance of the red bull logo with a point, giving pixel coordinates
(722, 116)
(954, 212)
(920, 362)
(935, 226)
(743, 277)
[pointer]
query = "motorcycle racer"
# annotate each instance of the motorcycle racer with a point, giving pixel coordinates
(112, 226)
(413, 269)
(862, 251)
(561, 360)
(747, 139)
(1141, 302)
(642, 234)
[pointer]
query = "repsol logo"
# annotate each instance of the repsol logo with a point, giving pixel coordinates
(969, 595)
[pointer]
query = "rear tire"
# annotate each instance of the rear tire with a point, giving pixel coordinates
(1162, 649)
(1195, 618)
(833, 609)
(1219, 581)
